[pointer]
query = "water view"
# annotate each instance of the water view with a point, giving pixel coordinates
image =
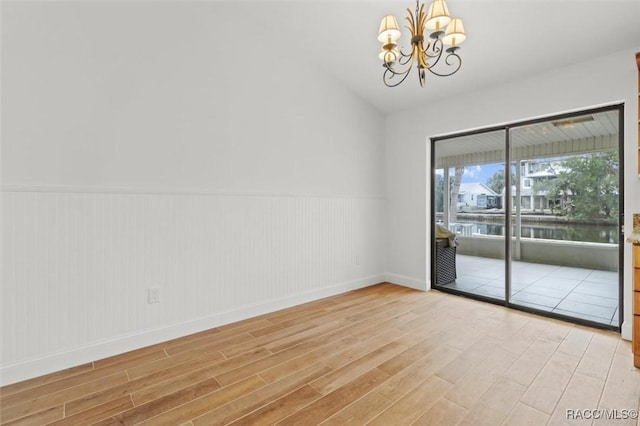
(582, 232)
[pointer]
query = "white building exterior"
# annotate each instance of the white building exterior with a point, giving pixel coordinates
(533, 173)
(473, 195)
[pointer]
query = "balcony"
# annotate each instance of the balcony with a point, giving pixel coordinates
(579, 292)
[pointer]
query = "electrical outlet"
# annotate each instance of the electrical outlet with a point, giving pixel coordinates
(153, 295)
(357, 259)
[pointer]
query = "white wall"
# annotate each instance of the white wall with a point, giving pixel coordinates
(609, 79)
(159, 145)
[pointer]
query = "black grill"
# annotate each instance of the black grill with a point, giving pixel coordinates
(445, 262)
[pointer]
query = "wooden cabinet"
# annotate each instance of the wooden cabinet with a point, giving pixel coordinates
(636, 341)
(636, 306)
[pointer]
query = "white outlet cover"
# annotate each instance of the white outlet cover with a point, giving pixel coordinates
(153, 295)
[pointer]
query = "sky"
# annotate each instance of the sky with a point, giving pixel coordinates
(478, 173)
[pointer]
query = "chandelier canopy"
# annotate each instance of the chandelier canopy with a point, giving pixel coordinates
(447, 31)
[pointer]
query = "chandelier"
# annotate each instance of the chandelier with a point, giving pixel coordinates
(399, 64)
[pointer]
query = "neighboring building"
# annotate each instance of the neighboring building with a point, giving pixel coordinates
(533, 175)
(475, 195)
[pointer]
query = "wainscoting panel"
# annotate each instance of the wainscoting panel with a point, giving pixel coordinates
(77, 265)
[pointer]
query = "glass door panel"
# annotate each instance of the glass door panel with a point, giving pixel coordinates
(564, 233)
(468, 191)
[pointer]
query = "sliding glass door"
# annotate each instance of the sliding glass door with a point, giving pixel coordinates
(532, 213)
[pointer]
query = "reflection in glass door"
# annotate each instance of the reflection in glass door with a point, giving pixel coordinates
(541, 234)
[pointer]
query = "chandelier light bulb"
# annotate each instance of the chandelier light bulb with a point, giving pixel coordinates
(437, 16)
(455, 33)
(388, 29)
(388, 56)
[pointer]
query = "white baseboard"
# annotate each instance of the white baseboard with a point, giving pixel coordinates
(410, 282)
(17, 372)
(625, 330)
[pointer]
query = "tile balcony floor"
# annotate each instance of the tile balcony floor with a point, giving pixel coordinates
(577, 292)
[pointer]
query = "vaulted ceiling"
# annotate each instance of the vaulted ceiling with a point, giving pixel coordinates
(507, 40)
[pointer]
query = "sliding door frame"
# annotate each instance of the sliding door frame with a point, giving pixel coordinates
(506, 128)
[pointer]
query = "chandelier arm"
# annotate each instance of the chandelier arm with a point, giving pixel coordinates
(449, 56)
(404, 58)
(411, 22)
(436, 49)
(437, 58)
(389, 73)
(386, 78)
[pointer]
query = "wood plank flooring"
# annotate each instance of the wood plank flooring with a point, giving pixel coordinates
(383, 355)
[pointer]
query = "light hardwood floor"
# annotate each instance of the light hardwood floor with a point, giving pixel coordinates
(384, 355)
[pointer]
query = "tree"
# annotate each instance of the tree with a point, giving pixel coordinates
(496, 181)
(546, 188)
(439, 197)
(587, 186)
(593, 182)
(455, 189)
(543, 187)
